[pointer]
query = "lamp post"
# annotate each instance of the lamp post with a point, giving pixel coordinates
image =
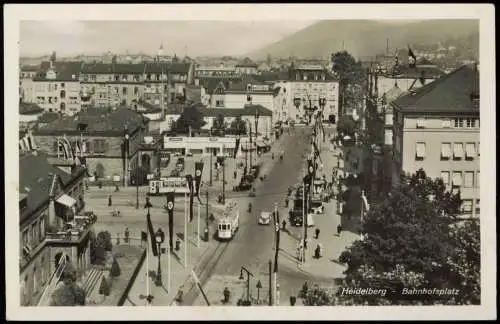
(160, 238)
(256, 119)
(250, 147)
(125, 156)
(248, 280)
(322, 104)
(296, 102)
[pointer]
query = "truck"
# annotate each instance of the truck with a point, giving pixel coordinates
(229, 223)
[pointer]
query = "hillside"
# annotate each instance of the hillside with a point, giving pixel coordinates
(364, 38)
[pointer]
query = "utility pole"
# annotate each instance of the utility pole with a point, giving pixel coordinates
(206, 217)
(223, 177)
(277, 224)
(211, 166)
(270, 283)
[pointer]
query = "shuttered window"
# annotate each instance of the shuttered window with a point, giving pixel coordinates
(457, 179)
(445, 150)
(458, 150)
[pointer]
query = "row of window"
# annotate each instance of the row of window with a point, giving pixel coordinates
(137, 77)
(48, 87)
(450, 150)
(453, 123)
(465, 179)
(33, 234)
(467, 206)
(95, 146)
(38, 274)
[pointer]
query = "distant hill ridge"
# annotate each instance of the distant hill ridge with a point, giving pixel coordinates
(364, 38)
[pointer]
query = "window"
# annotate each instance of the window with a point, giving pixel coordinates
(478, 177)
(420, 151)
(459, 122)
(42, 271)
(445, 151)
(445, 175)
(468, 179)
(35, 281)
(478, 209)
(62, 85)
(124, 77)
(99, 146)
(446, 123)
(124, 90)
(457, 179)
(420, 123)
(50, 99)
(470, 150)
(478, 148)
(458, 150)
(467, 205)
(41, 228)
(469, 122)
(63, 94)
(34, 233)
(219, 103)
(25, 238)
(136, 90)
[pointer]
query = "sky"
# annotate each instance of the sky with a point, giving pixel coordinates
(196, 38)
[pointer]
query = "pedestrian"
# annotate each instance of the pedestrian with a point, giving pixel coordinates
(339, 229)
(117, 188)
(284, 224)
(235, 174)
(317, 232)
(110, 202)
(127, 234)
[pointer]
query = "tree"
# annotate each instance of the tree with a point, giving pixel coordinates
(114, 59)
(218, 126)
(192, 117)
(352, 79)
(408, 232)
(238, 126)
(115, 269)
(69, 293)
(104, 288)
(104, 240)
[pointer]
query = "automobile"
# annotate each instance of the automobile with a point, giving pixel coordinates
(264, 218)
(177, 154)
(189, 154)
(317, 207)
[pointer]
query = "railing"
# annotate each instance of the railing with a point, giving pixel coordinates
(54, 280)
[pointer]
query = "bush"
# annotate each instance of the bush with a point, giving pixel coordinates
(69, 294)
(104, 239)
(104, 289)
(115, 269)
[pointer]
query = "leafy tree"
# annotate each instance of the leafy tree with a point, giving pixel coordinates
(410, 229)
(115, 269)
(238, 126)
(69, 293)
(104, 289)
(352, 79)
(114, 59)
(192, 117)
(219, 123)
(104, 240)
(53, 57)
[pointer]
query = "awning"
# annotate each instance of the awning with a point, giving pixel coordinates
(446, 150)
(420, 150)
(458, 150)
(470, 150)
(66, 201)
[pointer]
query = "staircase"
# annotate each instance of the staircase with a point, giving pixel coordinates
(92, 280)
(54, 280)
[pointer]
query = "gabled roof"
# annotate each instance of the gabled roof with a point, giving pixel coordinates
(98, 121)
(247, 110)
(35, 180)
(65, 71)
(210, 83)
(246, 62)
(29, 108)
(451, 93)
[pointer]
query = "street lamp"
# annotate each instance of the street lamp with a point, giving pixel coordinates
(125, 153)
(248, 280)
(256, 119)
(160, 238)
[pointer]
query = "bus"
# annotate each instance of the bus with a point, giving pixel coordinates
(164, 185)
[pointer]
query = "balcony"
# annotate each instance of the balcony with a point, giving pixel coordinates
(73, 231)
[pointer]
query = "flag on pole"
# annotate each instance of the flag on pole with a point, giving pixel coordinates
(151, 231)
(316, 151)
(170, 209)
(189, 180)
(198, 172)
(412, 59)
(237, 146)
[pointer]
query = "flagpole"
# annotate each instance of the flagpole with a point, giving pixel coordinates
(198, 229)
(147, 267)
(168, 267)
(185, 229)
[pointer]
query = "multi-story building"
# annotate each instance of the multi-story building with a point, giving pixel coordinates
(55, 87)
(308, 84)
(246, 66)
(109, 140)
(436, 127)
(215, 71)
(49, 201)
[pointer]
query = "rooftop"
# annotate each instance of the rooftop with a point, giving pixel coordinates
(452, 93)
(64, 71)
(97, 121)
(136, 68)
(35, 182)
(425, 71)
(247, 110)
(246, 62)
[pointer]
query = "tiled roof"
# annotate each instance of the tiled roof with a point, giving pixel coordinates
(126, 68)
(210, 84)
(98, 122)
(65, 71)
(248, 110)
(135, 68)
(246, 62)
(48, 117)
(30, 68)
(272, 76)
(450, 93)
(406, 72)
(35, 180)
(29, 108)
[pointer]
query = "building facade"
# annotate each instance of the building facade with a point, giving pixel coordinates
(437, 128)
(246, 66)
(109, 141)
(49, 200)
